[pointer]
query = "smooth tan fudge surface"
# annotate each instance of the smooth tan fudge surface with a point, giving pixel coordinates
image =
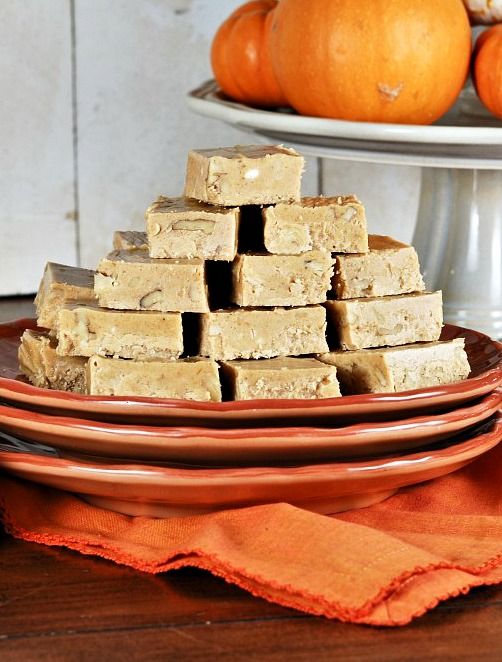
(281, 378)
(402, 368)
(335, 224)
(126, 240)
(87, 330)
(244, 175)
(185, 228)
(281, 280)
(254, 334)
(188, 379)
(132, 280)
(392, 320)
(390, 267)
(39, 361)
(59, 284)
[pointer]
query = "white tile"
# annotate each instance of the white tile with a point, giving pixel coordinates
(135, 63)
(390, 193)
(310, 181)
(36, 154)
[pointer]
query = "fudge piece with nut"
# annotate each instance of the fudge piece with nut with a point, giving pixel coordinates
(335, 224)
(40, 362)
(281, 378)
(403, 368)
(281, 280)
(128, 240)
(188, 379)
(84, 330)
(389, 268)
(185, 228)
(244, 175)
(392, 320)
(252, 334)
(61, 283)
(132, 280)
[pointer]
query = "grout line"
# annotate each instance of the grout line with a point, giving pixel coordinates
(76, 199)
(320, 176)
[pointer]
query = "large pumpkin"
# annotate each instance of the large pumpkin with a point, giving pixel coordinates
(487, 69)
(240, 55)
(399, 61)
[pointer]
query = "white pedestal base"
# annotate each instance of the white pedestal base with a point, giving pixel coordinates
(458, 237)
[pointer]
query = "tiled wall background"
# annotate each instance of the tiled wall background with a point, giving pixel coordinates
(94, 125)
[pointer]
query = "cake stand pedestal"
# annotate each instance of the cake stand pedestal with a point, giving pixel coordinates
(458, 237)
(458, 234)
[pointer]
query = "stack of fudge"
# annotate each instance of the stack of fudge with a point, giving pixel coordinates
(238, 290)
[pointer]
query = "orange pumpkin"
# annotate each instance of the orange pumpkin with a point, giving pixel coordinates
(371, 60)
(240, 55)
(487, 69)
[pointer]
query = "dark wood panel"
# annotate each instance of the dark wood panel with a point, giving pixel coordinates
(451, 636)
(54, 600)
(85, 592)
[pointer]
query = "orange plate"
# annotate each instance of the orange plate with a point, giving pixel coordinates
(167, 491)
(242, 446)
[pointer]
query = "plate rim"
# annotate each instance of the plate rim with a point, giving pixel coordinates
(157, 492)
(185, 476)
(488, 402)
(204, 100)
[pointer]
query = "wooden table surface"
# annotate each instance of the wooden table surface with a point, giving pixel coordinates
(59, 605)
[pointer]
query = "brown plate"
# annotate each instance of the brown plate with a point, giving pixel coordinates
(485, 358)
(157, 491)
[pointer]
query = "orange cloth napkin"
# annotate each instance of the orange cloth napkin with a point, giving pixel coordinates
(382, 565)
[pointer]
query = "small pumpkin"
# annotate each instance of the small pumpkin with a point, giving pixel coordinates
(484, 11)
(240, 55)
(371, 60)
(487, 69)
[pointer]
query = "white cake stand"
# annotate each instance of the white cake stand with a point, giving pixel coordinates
(458, 233)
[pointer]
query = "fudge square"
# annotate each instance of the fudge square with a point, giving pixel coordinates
(392, 320)
(61, 283)
(281, 378)
(393, 369)
(185, 228)
(84, 330)
(254, 334)
(335, 224)
(244, 175)
(132, 280)
(128, 240)
(390, 267)
(39, 361)
(281, 280)
(188, 379)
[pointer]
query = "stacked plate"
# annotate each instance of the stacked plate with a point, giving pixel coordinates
(170, 457)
